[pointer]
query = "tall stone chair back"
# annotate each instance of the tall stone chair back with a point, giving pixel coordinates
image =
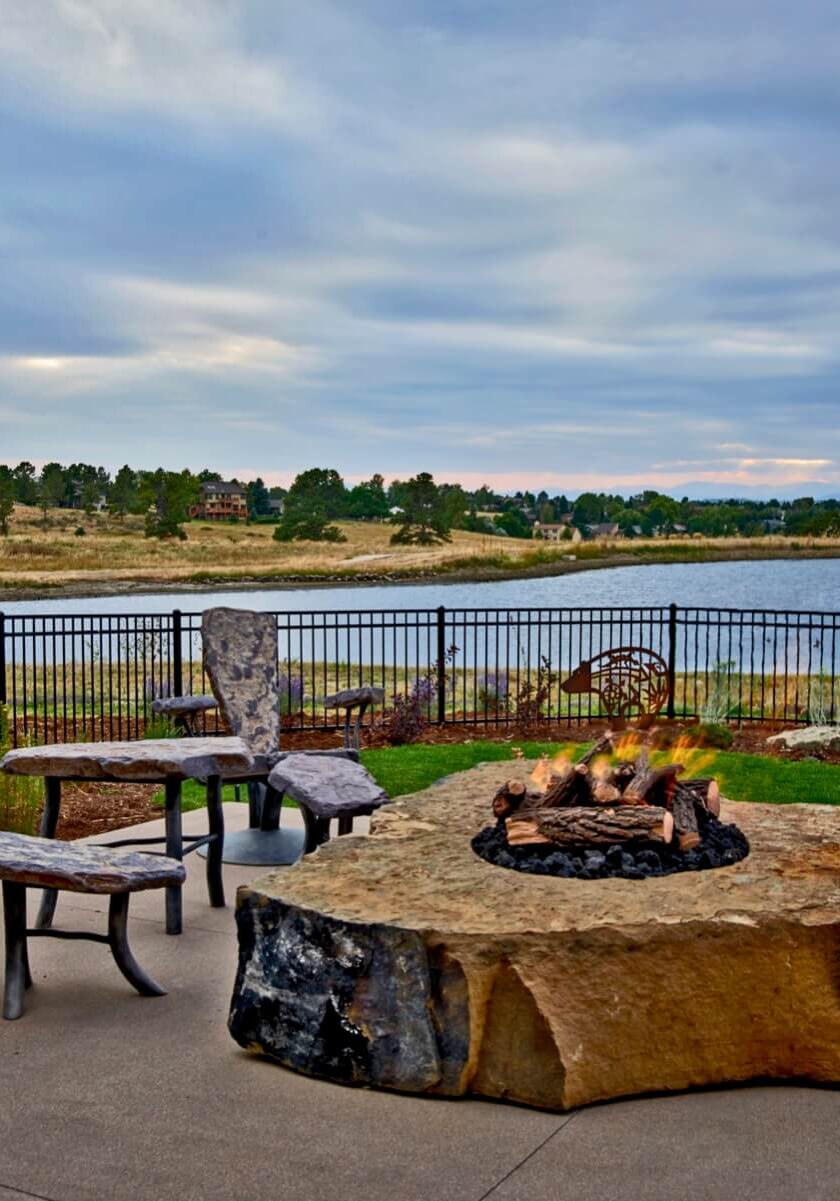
(240, 658)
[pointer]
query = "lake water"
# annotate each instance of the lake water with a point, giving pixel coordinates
(807, 584)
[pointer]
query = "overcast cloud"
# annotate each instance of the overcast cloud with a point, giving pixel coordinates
(565, 244)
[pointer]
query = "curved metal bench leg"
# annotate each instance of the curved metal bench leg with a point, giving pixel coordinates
(49, 824)
(272, 805)
(17, 968)
(175, 850)
(215, 849)
(118, 942)
(314, 830)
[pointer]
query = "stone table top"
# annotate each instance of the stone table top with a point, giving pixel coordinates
(351, 698)
(79, 867)
(147, 760)
(418, 871)
(184, 704)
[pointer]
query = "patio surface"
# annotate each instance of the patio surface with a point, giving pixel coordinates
(106, 1096)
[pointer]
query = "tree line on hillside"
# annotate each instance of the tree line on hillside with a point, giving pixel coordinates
(423, 511)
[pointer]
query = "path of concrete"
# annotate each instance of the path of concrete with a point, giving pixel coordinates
(106, 1096)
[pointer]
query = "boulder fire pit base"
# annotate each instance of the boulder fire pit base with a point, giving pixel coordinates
(405, 961)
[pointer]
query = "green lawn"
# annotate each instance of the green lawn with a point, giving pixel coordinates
(742, 777)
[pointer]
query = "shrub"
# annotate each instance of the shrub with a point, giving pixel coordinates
(720, 695)
(408, 717)
(161, 726)
(712, 734)
(291, 691)
(20, 796)
(492, 690)
(532, 695)
(80, 531)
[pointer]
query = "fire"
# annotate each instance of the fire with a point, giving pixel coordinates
(695, 760)
(549, 769)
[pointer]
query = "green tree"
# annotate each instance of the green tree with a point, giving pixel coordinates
(258, 498)
(514, 523)
(587, 510)
(7, 499)
(51, 489)
(367, 501)
(26, 484)
(423, 519)
(314, 499)
(123, 497)
(165, 497)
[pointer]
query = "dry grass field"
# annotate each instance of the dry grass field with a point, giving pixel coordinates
(113, 555)
(112, 551)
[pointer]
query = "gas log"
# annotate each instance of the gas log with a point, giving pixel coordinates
(629, 802)
(583, 824)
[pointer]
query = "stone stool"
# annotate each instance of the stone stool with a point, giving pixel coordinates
(74, 867)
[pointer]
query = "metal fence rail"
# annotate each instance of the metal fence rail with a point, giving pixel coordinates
(71, 677)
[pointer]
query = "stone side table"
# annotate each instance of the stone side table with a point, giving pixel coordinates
(165, 761)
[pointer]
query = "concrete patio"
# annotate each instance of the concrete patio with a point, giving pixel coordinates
(105, 1095)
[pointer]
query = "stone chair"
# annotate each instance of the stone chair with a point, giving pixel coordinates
(240, 658)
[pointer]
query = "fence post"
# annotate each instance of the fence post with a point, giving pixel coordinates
(441, 664)
(2, 658)
(177, 663)
(672, 660)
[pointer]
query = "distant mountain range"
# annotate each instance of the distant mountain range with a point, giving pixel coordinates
(704, 490)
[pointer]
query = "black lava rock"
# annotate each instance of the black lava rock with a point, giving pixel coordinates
(721, 845)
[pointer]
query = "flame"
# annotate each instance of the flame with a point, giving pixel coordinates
(629, 745)
(548, 770)
(694, 759)
(601, 767)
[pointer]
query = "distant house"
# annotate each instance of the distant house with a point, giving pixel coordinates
(276, 505)
(220, 501)
(555, 531)
(678, 528)
(605, 529)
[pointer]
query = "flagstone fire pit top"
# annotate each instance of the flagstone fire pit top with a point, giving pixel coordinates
(404, 960)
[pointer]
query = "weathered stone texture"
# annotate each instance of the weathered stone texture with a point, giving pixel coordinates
(404, 960)
(77, 867)
(808, 738)
(327, 785)
(149, 759)
(240, 656)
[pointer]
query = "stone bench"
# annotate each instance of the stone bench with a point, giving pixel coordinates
(185, 710)
(326, 787)
(354, 698)
(74, 867)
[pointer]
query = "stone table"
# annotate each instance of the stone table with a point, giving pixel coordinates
(165, 761)
(405, 961)
(358, 699)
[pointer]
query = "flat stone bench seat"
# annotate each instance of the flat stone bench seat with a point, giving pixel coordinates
(186, 710)
(27, 862)
(326, 787)
(179, 705)
(350, 699)
(78, 867)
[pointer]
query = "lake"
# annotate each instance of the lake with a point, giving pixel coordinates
(805, 584)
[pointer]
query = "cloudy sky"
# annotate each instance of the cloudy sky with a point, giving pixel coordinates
(517, 241)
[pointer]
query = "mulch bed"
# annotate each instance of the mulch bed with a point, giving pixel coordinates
(94, 808)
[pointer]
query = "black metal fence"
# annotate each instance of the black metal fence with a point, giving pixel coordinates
(71, 677)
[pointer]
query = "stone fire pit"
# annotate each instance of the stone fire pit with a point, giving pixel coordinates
(405, 961)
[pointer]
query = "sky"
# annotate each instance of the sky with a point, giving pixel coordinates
(507, 241)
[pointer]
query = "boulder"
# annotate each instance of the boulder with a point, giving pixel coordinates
(402, 960)
(809, 738)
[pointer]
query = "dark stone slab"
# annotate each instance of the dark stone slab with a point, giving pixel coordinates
(337, 999)
(179, 706)
(240, 657)
(147, 760)
(351, 698)
(327, 786)
(77, 867)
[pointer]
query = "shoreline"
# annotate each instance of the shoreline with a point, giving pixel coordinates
(102, 589)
